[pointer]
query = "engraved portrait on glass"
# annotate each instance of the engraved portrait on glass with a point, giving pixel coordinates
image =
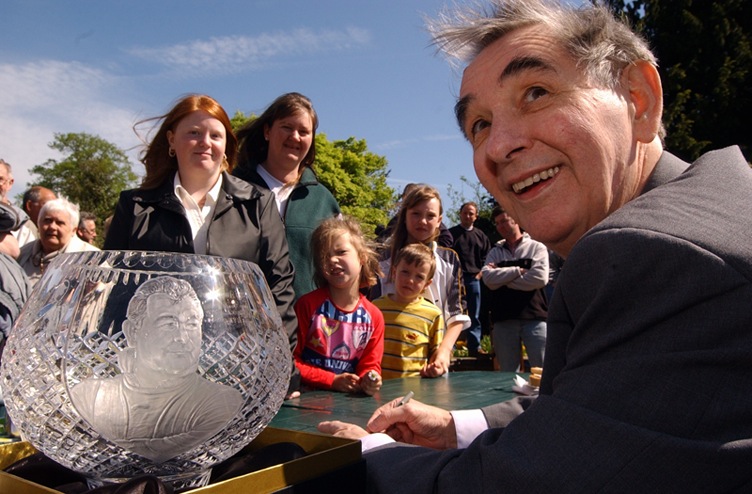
(130, 363)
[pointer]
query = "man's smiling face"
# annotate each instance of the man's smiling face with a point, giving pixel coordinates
(556, 150)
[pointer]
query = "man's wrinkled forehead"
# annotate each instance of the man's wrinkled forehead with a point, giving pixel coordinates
(517, 65)
(520, 51)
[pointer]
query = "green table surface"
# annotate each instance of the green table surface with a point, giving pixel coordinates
(457, 391)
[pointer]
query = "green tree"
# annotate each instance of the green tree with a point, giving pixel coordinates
(357, 179)
(91, 174)
(704, 51)
(355, 176)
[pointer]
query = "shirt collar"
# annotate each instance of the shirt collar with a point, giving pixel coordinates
(184, 195)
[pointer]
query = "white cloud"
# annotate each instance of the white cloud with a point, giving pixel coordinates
(404, 143)
(45, 97)
(233, 53)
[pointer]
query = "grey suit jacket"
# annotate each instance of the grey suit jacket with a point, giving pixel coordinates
(647, 383)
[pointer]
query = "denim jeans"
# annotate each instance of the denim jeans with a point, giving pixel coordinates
(506, 337)
(472, 297)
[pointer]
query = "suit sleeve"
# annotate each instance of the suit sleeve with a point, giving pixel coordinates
(638, 355)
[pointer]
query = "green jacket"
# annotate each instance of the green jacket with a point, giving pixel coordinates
(309, 204)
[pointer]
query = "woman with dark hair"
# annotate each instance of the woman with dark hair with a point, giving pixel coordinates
(277, 151)
(188, 202)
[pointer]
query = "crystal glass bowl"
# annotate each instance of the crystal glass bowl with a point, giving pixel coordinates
(130, 363)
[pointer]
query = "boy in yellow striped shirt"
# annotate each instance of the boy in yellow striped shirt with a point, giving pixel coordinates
(413, 325)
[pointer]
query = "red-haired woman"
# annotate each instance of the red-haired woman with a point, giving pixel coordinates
(188, 201)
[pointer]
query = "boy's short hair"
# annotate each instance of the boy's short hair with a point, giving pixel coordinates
(416, 254)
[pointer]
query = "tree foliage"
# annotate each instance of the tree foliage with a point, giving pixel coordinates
(704, 51)
(355, 176)
(91, 174)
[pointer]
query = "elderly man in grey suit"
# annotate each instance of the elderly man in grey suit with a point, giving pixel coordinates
(647, 382)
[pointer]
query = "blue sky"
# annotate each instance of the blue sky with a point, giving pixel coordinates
(99, 66)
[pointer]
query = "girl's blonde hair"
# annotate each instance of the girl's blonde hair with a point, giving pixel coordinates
(325, 235)
(418, 194)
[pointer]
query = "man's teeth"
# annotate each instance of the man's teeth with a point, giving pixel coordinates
(544, 175)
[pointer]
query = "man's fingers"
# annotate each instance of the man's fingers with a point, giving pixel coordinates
(330, 426)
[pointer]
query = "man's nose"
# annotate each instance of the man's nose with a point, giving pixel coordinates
(507, 138)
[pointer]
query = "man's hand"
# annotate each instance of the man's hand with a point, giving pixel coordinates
(415, 423)
(342, 429)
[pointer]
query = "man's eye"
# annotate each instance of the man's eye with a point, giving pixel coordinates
(534, 93)
(477, 127)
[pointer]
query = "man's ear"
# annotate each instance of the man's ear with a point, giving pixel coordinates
(646, 99)
(129, 330)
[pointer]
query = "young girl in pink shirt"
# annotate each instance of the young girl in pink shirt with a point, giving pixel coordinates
(340, 332)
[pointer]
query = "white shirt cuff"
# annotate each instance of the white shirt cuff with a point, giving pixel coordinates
(469, 425)
(374, 440)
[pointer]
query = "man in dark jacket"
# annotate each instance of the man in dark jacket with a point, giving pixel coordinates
(647, 385)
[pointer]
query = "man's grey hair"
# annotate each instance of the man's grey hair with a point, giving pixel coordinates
(61, 204)
(173, 288)
(600, 44)
(86, 216)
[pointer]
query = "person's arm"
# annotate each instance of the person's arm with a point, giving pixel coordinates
(310, 374)
(537, 276)
(436, 336)
(423, 425)
(274, 261)
(495, 277)
(442, 357)
(9, 245)
(373, 353)
(121, 226)
(453, 308)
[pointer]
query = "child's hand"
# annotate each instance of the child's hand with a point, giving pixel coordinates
(438, 365)
(432, 369)
(370, 382)
(346, 383)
